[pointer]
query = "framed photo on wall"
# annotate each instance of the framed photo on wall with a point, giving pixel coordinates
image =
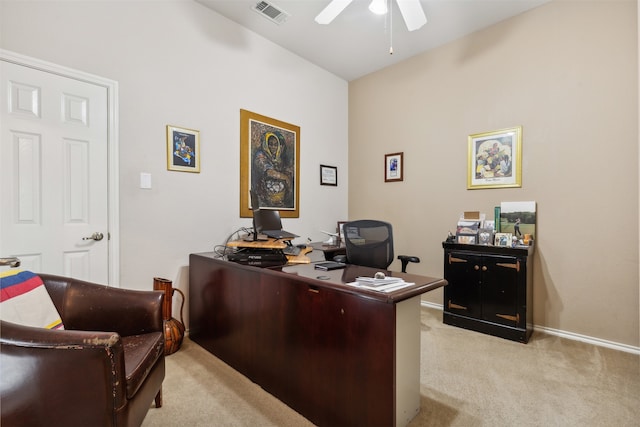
(495, 159)
(328, 175)
(393, 166)
(269, 164)
(183, 149)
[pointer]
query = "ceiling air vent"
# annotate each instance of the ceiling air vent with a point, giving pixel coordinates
(271, 12)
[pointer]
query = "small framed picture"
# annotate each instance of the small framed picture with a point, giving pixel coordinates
(328, 175)
(393, 166)
(467, 239)
(341, 230)
(503, 239)
(485, 236)
(183, 149)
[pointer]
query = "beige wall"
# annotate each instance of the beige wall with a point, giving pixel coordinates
(567, 72)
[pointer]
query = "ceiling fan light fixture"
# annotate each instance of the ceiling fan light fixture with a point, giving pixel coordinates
(412, 13)
(379, 7)
(332, 10)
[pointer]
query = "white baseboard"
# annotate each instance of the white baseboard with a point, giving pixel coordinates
(569, 335)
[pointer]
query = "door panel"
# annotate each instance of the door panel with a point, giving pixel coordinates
(462, 294)
(54, 149)
(499, 290)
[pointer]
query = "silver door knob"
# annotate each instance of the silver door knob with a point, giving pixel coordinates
(95, 236)
(12, 262)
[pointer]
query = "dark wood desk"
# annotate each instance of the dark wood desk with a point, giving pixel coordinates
(338, 354)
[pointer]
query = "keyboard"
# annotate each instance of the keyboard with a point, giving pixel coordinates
(291, 250)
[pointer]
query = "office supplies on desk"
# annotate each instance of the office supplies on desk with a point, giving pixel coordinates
(375, 282)
(258, 257)
(291, 250)
(329, 265)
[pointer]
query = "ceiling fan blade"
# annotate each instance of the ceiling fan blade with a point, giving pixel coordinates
(412, 13)
(332, 10)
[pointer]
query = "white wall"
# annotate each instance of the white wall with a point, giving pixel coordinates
(179, 63)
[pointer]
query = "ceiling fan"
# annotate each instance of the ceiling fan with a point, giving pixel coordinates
(411, 11)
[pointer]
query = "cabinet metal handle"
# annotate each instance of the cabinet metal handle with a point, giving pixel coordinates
(515, 266)
(484, 268)
(515, 318)
(459, 307)
(476, 267)
(453, 259)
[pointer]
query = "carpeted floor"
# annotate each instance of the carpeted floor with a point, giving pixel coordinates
(467, 379)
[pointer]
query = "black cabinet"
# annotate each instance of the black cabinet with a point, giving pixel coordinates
(489, 290)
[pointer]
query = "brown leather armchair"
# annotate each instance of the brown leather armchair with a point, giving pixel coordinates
(80, 377)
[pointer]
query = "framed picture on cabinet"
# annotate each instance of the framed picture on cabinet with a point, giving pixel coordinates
(393, 166)
(503, 239)
(183, 149)
(495, 159)
(467, 239)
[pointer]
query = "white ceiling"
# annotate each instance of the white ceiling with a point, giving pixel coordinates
(357, 42)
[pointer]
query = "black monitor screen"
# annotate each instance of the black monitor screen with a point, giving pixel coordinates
(255, 204)
(266, 219)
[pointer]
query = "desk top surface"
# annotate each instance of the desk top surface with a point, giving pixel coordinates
(340, 279)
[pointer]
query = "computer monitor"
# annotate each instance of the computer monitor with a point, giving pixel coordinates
(255, 203)
(263, 219)
(266, 219)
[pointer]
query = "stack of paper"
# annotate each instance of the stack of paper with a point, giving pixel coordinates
(372, 281)
(388, 284)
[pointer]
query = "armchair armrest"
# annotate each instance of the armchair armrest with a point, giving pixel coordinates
(34, 360)
(92, 307)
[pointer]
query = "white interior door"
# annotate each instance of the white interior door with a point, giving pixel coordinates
(54, 173)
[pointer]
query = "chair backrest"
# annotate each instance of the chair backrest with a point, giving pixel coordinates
(369, 243)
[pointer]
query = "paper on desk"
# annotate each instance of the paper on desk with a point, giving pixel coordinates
(383, 288)
(372, 281)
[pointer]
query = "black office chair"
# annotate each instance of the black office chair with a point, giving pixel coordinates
(370, 243)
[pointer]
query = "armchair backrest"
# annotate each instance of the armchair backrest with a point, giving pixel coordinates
(369, 243)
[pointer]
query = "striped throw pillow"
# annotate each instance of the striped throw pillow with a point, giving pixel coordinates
(24, 300)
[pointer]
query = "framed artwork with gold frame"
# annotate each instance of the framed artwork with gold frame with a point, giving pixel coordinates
(269, 164)
(495, 159)
(183, 149)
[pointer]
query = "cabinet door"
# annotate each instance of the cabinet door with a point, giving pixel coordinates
(462, 294)
(350, 360)
(500, 289)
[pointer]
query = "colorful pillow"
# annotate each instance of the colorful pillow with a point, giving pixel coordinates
(24, 300)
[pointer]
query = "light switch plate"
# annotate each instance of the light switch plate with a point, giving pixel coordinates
(145, 180)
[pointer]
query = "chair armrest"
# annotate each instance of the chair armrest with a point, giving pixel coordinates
(92, 307)
(46, 375)
(406, 259)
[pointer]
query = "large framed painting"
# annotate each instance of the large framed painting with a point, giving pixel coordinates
(269, 164)
(495, 159)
